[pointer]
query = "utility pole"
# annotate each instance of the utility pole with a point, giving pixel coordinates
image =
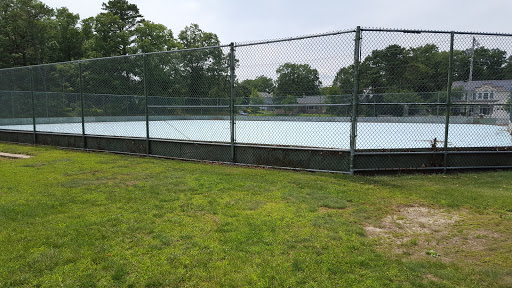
(473, 44)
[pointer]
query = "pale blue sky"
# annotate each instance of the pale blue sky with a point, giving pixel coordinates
(238, 21)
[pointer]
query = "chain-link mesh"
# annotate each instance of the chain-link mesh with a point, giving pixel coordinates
(113, 97)
(286, 103)
(188, 100)
(482, 87)
(287, 96)
(15, 99)
(57, 98)
(403, 81)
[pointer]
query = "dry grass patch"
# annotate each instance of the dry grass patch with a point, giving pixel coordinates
(423, 232)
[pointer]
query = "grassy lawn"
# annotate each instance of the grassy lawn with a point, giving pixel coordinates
(77, 219)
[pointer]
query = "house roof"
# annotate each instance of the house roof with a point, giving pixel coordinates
(265, 94)
(473, 85)
(311, 99)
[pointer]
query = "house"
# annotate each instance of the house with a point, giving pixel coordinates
(484, 98)
(310, 103)
(267, 100)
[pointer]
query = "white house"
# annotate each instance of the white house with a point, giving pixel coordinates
(484, 98)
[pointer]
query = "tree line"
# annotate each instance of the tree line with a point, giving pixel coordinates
(32, 33)
(397, 74)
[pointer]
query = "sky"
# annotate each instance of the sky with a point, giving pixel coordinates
(240, 21)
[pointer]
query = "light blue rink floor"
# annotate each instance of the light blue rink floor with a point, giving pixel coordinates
(308, 134)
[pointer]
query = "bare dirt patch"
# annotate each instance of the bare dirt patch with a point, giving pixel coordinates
(14, 156)
(420, 232)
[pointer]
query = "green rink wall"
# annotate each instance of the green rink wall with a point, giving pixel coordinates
(312, 159)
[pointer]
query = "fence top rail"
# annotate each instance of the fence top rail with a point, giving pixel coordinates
(270, 41)
(419, 31)
(402, 103)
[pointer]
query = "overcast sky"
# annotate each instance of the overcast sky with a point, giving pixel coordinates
(245, 20)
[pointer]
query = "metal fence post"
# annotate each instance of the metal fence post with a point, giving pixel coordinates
(355, 100)
(33, 104)
(84, 143)
(448, 103)
(232, 99)
(12, 105)
(148, 148)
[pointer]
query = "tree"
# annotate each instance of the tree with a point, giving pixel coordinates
(204, 71)
(344, 80)
(87, 38)
(242, 94)
(402, 96)
(24, 30)
(489, 64)
(426, 69)
(66, 37)
(260, 83)
(193, 37)
(256, 99)
(507, 69)
(109, 40)
(289, 100)
(152, 37)
(128, 17)
(341, 91)
(385, 69)
(296, 80)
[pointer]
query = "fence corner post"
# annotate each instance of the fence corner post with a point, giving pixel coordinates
(355, 99)
(146, 108)
(448, 103)
(232, 100)
(82, 113)
(33, 104)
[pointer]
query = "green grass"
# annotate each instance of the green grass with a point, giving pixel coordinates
(77, 219)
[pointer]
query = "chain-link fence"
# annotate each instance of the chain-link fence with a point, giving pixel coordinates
(347, 101)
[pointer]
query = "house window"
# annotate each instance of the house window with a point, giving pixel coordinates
(486, 95)
(474, 96)
(485, 110)
(479, 95)
(491, 95)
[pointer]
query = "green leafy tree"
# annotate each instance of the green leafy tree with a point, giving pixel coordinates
(507, 69)
(297, 80)
(256, 99)
(260, 83)
(406, 97)
(88, 38)
(66, 37)
(426, 69)
(126, 17)
(385, 69)
(340, 92)
(489, 63)
(153, 37)
(288, 100)
(24, 32)
(109, 39)
(204, 72)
